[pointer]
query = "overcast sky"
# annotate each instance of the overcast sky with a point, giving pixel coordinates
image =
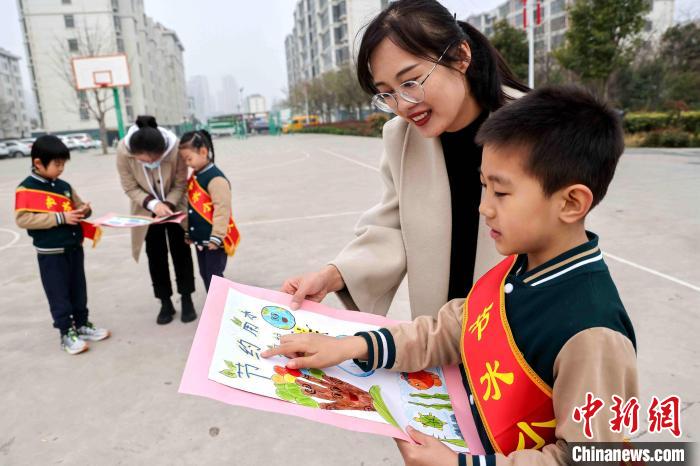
(243, 38)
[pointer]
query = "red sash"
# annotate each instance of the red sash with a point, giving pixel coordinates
(200, 201)
(35, 200)
(514, 403)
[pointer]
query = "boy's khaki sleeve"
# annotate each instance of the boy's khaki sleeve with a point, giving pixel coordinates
(37, 220)
(78, 202)
(425, 342)
(597, 360)
(220, 192)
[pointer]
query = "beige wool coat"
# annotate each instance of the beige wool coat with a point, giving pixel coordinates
(139, 183)
(409, 231)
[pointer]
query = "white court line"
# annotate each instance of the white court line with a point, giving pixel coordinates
(653, 272)
(242, 224)
(276, 165)
(294, 219)
(335, 154)
(13, 241)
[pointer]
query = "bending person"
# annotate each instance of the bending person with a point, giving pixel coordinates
(155, 179)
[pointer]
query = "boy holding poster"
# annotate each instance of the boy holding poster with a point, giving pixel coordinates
(52, 213)
(545, 329)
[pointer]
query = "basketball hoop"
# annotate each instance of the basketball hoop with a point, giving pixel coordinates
(101, 72)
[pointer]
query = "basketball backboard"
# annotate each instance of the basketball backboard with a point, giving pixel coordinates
(101, 71)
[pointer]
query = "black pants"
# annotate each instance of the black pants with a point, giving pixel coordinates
(157, 240)
(211, 263)
(63, 277)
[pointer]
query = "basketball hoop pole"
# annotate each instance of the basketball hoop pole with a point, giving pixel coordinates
(118, 109)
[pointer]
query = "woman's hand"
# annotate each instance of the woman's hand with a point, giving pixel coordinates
(313, 286)
(314, 351)
(212, 246)
(162, 210)
(429, 451)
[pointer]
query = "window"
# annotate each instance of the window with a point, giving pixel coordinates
(557, 41)
(339, 11)
(69, 21)
(557, 6)
(342, 55)
(557, 24)
(341, 33)
(66, 2)
(120, 44)
(518, 21)
(83, 104)
(73, 45)
(117, 23)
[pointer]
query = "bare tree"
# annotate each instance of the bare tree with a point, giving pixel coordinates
(91, 42)
(6, 120)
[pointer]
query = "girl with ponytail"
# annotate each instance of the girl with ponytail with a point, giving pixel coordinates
(441, 78)
(155, 178)
(210, 225)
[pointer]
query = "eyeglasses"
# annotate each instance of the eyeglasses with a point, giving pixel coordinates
(410, 91)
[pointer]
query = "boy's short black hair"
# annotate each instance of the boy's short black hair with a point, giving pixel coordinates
(47, 148)
(572, 136)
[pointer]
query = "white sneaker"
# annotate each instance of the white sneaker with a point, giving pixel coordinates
(92, 333)
(71, 344)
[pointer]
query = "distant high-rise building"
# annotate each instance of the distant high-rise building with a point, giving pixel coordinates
(549, 35)
(198, 90)
(14, 115)
(56, 31)
(255, 103)
(229, 99)
(325, 35)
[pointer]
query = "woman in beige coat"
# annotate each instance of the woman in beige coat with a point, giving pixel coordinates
(155, 178)
(442, 78)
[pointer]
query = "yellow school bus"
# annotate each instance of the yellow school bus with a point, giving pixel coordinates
(299, 121)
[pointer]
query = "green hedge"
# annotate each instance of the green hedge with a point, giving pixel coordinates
(671, 138)
(639, 122)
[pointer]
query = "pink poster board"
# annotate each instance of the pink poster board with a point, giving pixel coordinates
(195, 379)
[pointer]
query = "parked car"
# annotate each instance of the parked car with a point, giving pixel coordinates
(4, 152)
(69, 142)
(299, 121)
(28, 141)
(84, 140)
(259, 125)
(17, 149)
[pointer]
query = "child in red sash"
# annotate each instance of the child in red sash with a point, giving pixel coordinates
(544, 328)
(210, 225)
(52, 213)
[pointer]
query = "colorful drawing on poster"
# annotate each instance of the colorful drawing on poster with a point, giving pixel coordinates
(278, 317)
(308, 329)
(429, 420)
(422, 380)
(301, 387)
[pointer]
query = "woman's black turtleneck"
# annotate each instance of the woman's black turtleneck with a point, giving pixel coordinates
(462, 160)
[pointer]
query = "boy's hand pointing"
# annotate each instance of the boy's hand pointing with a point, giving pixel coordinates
(314, 351)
